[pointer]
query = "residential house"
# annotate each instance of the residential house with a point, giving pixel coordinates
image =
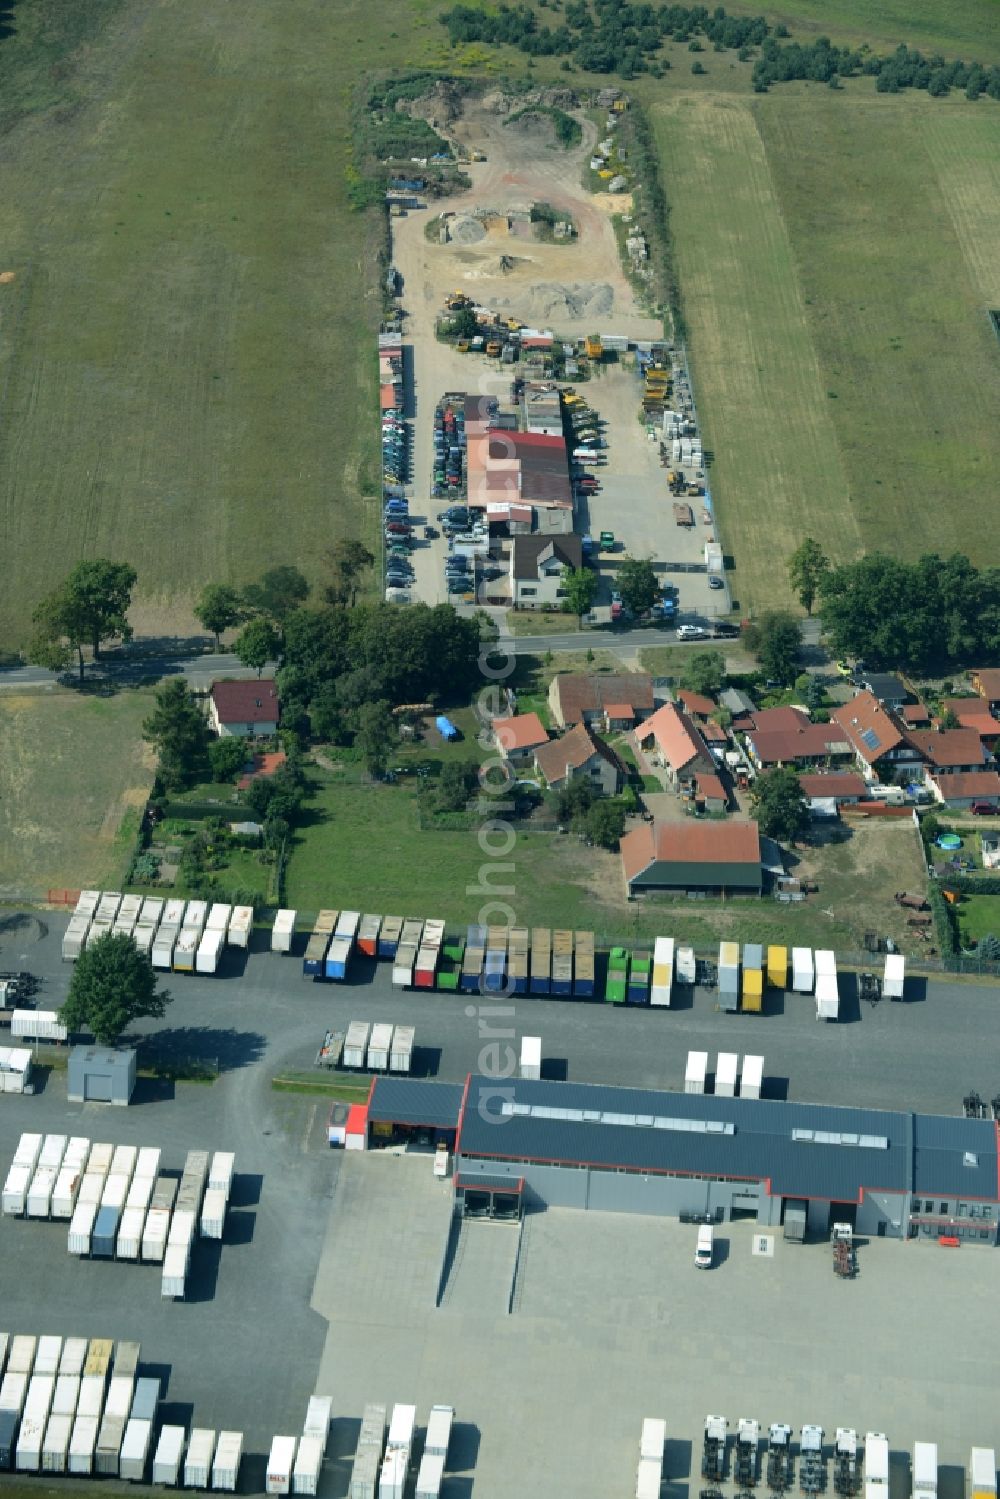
(537, 564)
(709, 792)
(618, 716)
(247, 708)
(695, 705)
(915, 716)
(583, 697)
(715, 857)
(517, 738)
(580, 753)
(960, 789)
(678, 745)
(949, 750)
(839, 786)
(887, 689)
(986, 681)
(879, 740)
(787, 736)
(973, 713)
(738, 704)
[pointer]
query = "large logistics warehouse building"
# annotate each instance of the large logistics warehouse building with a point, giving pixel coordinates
(703, 1156)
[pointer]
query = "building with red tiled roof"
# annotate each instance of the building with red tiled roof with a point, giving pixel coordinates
(695, 705)
(838, 786)
(692, 855)
(709, 790)
(249, 708)
(784, 720)
(915, 715)
(799, 742)
(582, 697)
(517, 738)
(878, 736)
(580, 753)
(680, 747)
(972, 713)
(965, 787)
(986, 682)
(950, 749)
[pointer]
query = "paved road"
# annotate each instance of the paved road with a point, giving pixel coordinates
(134, 664)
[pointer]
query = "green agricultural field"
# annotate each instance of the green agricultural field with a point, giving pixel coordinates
(835, 255)
(956, 28)
(187, 366)
(74, 776)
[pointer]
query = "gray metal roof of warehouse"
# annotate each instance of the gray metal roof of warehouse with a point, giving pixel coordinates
(799, 1149)
(406, 1100)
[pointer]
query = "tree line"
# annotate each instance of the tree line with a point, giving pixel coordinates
(612, 36)
(924, 616)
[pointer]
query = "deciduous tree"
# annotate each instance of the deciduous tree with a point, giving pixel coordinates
(219, 608)
(375, 735)
(775, 640)
(279, 591)
(779, 805)
(112, 985)
(88, 608)
(806, 567)
(348, 560)
(257, 643)
(580, 587)
(178, 731)
(703, 672)
(637, 584)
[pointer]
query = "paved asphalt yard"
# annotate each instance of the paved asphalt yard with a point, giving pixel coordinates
(328, 1273)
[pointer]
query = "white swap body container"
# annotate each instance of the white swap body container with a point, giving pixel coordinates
(175, 1268)
(21, 1354)
(401, 1055)
(13, 1391)
(53, 1150)
(982, 1471)
(925, 1470)
(82, 1444)
(173, 913)
(15, 1190)
(29, 1149)
(163, 946)
(392, 1479)
(135, 1449)
(47, 1356)
(185, 949)
(226, 1468)
(120, 1392)
(318, 1415)
(220, 1172)
(55, 1448)
(895, 975)
(213, 1214)
(654, 1436)
(531, 1057)
(239, 926)
(663, 971)
(308, 1461)
(401, 1425)
(38, 1203)
(218, 918)
(210, 951)
(430, 1476)
(695, 1072)
(379, 1047)
(168, 1454)
(726, 1070)
(198, 1463)
(648, 1478)
(439, 1430)
(827, 996)
(147, 1162)
(687, 967)
(109, 1445)
(803, 973)
(91, 1401)
(139, 1193)
(66, 1394)
(154, 1235)
(280, 1464)
(282, 934)
(752, 1079)
(67, 1187)
(130, 1234)
(876, 1466)
(195, 916)
(356, 1043)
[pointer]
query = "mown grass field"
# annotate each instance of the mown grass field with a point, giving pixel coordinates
(74, 776)
(836, 261)
(187, 364)
(956, 28)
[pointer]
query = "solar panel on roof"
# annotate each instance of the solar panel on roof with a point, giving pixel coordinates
(509, 1109)
(870, 739)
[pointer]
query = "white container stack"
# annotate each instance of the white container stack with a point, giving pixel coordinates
(308, 1462)
(379, 1048)
(213, 1211)
(37, 1025)
(154, 1234)
(282, 935)
(38, 1402)
(226, 1468)
(47, 1356)
(39, 1199)
(198, 1463)
(280, 1462)
(111, 1433)
(430, 1476)
(73, 1358)
(168, 1455)
(138, 1437)
(431, 1472)
(22, 1169)
(399, 1446)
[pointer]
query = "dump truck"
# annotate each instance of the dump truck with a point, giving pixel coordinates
(812, 1468)
(846, 1469)
(745, 1460)
(779, 1457)
(713, 1455)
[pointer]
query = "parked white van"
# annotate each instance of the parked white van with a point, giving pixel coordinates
(705, 1250)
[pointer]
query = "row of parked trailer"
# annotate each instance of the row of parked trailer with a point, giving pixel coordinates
(729, 1081)
(742, 979)
(186, 936)
(369, 1046)
(119, 1205)
(383, 1462)
(854, 1464)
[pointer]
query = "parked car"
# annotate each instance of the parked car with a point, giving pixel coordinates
(726, 632)
(983, 809)
(692, 632)
(715, 582)
(430, 532)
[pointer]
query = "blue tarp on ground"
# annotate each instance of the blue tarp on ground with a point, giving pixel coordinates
(446, 728)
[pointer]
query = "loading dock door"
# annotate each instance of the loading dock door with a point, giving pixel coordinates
(98, 1088)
